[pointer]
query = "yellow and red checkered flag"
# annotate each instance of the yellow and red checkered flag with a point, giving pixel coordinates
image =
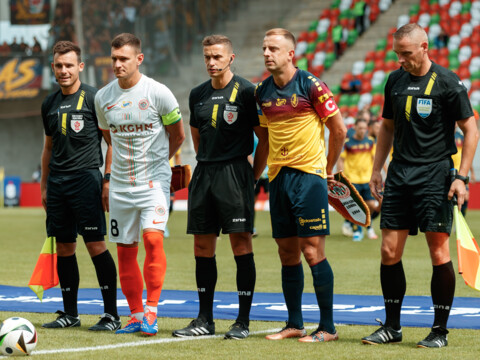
(45, 273)
(468, 252)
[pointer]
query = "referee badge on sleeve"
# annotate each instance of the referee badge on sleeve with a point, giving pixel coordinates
(230, 114)
(77, 122)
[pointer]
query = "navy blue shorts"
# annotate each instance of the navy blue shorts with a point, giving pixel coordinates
(364, 191)
(74, 206)
(298, 204)
(416, 196)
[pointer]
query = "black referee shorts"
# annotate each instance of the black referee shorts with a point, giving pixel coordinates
(416, 196)
(74, 205)
(220, 196)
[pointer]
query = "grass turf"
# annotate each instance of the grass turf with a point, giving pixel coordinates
(356, 268)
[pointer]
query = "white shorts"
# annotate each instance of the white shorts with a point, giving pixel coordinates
(135, 210)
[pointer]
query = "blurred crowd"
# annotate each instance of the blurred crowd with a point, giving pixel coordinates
(20, 48)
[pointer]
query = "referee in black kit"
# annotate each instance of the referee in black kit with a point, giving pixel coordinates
(422, 103)
(71, 186)
(223, 118)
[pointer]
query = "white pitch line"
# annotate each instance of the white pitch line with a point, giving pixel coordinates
(146, 342)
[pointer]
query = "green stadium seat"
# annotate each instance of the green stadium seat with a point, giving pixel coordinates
(352, 37)
(391, 55)
(414, 9)
(302, 63)
(369, 66)
(344, 100)
(381, 44)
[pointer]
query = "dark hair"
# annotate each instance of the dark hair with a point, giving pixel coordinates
(218, 39)
(63, 47)
(359, 120)
(284, 32)
(127, 39)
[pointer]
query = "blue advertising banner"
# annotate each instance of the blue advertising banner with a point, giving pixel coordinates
(11, 191)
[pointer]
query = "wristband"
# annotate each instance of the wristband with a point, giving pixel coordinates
(106, 177)
(465, 179)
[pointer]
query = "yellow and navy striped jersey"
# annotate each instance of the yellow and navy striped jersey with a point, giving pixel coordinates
(295, 116)
(358, 159)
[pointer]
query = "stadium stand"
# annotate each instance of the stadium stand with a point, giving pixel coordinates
(458, 25)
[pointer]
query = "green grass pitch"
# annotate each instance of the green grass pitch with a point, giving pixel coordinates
(355, 265)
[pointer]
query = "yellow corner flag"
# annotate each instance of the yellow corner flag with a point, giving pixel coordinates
(45, 273)
(468, 252)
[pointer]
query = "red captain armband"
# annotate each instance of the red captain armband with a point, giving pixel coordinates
(345, 199)
(181, 175)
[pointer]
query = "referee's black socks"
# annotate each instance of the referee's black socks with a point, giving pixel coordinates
(443, 290)
(206, 276)
(107, 279)
(67, 268)
(246, 277)
(392, 278)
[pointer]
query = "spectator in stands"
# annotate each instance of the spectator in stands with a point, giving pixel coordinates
(36, 48)
(15, 47)
(5, 49)
(441, 40)
(373, 128)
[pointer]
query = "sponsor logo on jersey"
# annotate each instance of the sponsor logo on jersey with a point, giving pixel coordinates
(267, 104)
(303, 221)
(143, 104)
(217, 97)
(323, 98)
(281, 102)
(413, 88)
(126, 104)
(77, 123)
(131, 128)
(294, 100)
(424, 107)
(156, 222)
(65, 106)
(111, 106)
(239, 220)
(230, 114)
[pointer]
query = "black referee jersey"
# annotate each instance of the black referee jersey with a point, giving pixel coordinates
(72, 123)
(424, 110)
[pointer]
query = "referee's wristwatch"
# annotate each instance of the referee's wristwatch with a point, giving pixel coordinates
(465, 179)
(106, 177)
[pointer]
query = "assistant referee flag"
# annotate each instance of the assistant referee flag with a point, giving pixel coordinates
(468, 252)
(45, 273)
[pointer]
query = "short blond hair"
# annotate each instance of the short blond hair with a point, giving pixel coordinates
(283, 32)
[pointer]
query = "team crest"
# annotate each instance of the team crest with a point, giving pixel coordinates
(160, 210)
(143, 104)
(424, 107)
(338, 190)
(230, 114)
(77, 122)
(294, 100)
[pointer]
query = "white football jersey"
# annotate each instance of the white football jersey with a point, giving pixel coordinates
(136, 118)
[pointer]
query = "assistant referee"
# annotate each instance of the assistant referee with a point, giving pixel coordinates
(422, 103)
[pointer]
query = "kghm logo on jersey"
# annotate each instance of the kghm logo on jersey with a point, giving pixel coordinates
(281, 102)
(143, 104)
(424, 107)
(294, 100)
